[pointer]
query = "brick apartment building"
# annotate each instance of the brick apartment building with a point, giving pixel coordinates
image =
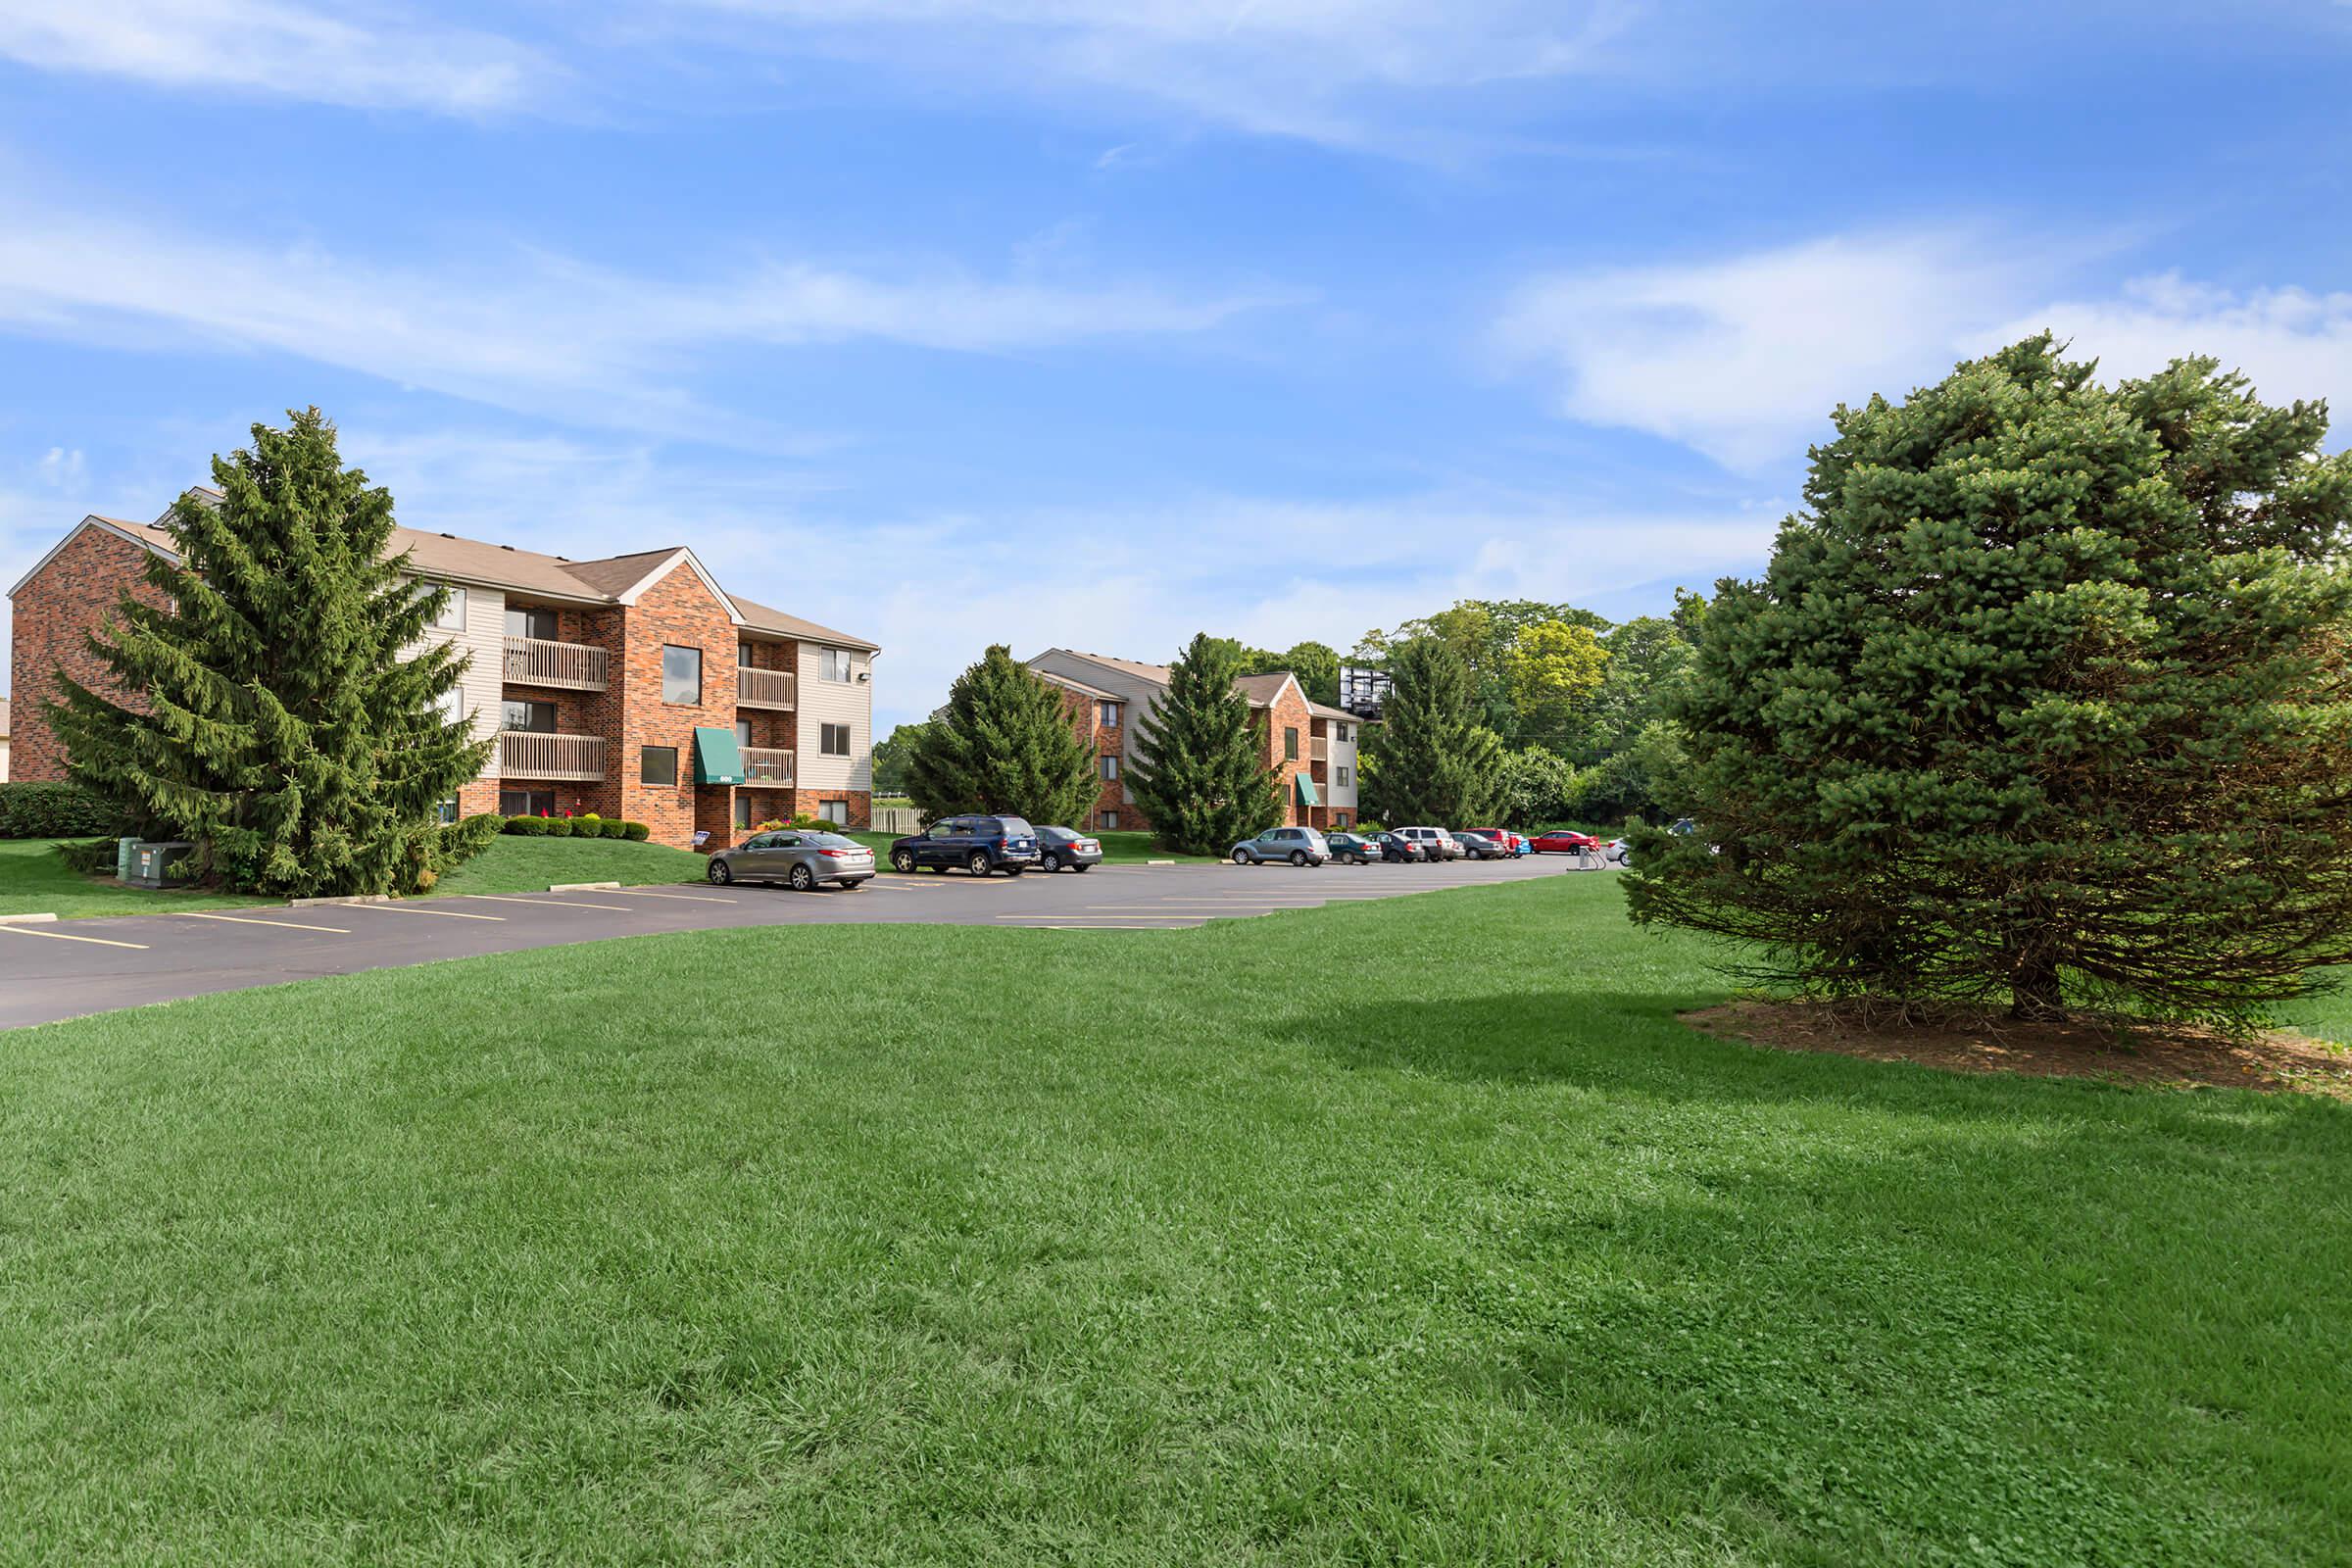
(1314, 745)
(633, 686)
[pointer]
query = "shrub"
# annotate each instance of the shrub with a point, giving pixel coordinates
(39, 810)
(530, 827)
(557, 827)
(636, 832)
(612, 828)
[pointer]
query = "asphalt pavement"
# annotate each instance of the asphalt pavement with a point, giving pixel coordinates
(74, 967)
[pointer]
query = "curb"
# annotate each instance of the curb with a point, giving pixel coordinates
(352, 898)
(26, 919)
(583, 887)
(1159, 862)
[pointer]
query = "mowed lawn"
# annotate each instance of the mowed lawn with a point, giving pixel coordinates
(1406, 1232)
(35, 877)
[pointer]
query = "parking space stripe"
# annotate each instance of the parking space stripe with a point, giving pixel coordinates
(411, 909)
(67, 936)
(551, 904)
(283, 925)
(693, 897)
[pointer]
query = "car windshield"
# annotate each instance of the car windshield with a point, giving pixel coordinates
(1059, 835)
(830, 841)
(1015, 828)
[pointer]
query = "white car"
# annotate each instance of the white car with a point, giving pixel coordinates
(1435, 843)
(1615, 851)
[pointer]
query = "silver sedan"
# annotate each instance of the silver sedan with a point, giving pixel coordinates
(799, 858)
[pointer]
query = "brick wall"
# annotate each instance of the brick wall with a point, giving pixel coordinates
(70, 597)
(676, 610)
(1290, 711)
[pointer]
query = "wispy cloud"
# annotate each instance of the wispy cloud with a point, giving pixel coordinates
(1743, 358)
(531, 330)
(356, 55)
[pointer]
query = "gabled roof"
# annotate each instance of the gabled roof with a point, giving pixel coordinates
(1078, 686)
(610, 580)
(1261, 690)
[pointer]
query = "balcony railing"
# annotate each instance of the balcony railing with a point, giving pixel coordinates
(1318, 749)
(765, 688)
(573, 666)
(531, 754)
(766, 765)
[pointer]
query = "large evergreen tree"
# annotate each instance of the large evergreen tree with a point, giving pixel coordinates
(1003, 743)
(1201, 778)
(1433, 760)
(2042, 700)
(289, 712)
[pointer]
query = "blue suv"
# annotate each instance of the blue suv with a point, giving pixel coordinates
(978, 844)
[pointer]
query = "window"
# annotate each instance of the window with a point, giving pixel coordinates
(535, 623)
(743, 656)
(526, 803)
(537, 717)
(1111, 765)
(1345, 734)
(1289, 743)
(952, 828)
(1108, 821)
(1109, 716)
(1342, 776)
(743, 732)
(833, 811)
(453, 613)
(447, 812)
(1341, 818)
(453, 705)
(682, 675)
(835, 663)
(833, 739)
(657, 764)
(742, 812)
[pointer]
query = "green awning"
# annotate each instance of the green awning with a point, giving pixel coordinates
(1307, 792)
(716, 761)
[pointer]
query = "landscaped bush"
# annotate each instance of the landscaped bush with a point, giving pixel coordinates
(39, 810)
(636, 832)
(530, 827)
(557, 827)
(612, 827)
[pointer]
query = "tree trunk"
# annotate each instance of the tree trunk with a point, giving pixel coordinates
(2033, 993)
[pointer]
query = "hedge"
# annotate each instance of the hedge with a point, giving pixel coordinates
(36, 811)
(636, 832)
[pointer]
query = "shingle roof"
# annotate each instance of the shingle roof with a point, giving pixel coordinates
(1261, 690)
(600, 581)
(1078, 686)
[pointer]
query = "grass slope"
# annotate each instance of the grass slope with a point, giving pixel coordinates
(33, 876)
(801, 1245)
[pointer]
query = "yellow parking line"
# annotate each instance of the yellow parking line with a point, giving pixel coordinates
(411, 909)
(283, 925)
(649, 893)
(552, 903)
(60, 936)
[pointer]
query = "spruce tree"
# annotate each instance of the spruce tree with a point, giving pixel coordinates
(1004, 743)
(2043, 700)
(1202, 778)
(288, 712)
(1433, 761)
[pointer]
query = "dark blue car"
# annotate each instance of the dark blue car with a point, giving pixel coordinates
(978, 844)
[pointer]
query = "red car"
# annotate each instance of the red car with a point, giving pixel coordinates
(1504, 836)
(1564, 840)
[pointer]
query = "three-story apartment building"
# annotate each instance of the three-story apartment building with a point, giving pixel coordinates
(632, 686)
(1312, 744)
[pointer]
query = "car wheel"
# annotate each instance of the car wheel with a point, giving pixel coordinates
(1297, 857)
(720, 873)
(1240, 857)
(903, 861)
(1049, 861)
(977, 864)
(801, 879)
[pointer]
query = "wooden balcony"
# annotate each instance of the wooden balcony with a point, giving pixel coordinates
(529, 754)
(766, 765)
(569, 666)
(1318, 749)
(765, 688)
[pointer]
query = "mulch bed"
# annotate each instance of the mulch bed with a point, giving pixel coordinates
(2180, 1054)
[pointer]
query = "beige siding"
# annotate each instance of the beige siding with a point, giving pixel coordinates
(1343, 754)
(836, 702)
(484, 638)
(1141, 696)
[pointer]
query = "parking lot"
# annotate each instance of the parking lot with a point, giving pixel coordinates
(73, 968)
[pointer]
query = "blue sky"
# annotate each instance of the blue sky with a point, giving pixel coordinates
(1050, 322)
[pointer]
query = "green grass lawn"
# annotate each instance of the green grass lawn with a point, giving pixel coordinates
(1118, 848)
(33, 876)
(1153, 1248)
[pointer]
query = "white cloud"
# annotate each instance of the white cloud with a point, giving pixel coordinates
(1327, 71)
(1743, 358)
(275, 48)
(530, 330)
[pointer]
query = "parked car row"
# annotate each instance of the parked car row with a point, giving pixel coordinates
(1306, 846)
